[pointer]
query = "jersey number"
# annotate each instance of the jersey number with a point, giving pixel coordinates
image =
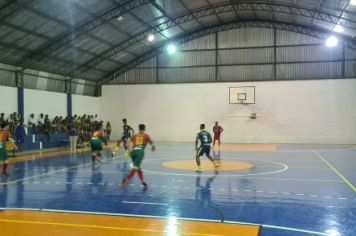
(139, 140)
(205, 139)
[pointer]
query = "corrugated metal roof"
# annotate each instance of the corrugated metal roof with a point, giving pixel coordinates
(88, 29)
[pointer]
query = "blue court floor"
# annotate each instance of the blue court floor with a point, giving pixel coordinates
(294, 190)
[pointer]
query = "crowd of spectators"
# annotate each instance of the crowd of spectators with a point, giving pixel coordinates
(79, 128)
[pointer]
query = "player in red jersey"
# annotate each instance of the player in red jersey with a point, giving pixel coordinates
(217, 129)
(4, 138)
(139, 142)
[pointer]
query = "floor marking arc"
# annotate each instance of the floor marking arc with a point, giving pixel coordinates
(285, 167)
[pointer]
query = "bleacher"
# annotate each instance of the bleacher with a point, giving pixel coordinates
(40, 141)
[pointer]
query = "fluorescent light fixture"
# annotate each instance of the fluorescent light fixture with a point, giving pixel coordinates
(331, 41)
(171, 48)
(338, 29)
(151, 37)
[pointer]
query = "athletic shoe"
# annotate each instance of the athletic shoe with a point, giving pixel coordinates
(198, 170)
(144, 184)
(126, 153)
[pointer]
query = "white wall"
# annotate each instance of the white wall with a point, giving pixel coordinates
(321, 111)
(51, 103)
(85, 105)
(8, 100)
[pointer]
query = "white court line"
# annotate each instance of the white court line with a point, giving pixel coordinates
(146, 203)
(246, 177)
(189, 188)
(178, 218)
(48, 173)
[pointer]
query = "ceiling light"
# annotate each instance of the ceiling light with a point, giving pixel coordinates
(338, 29)
(120, 18)
(331, 41)
(171, 48)
(151, 37)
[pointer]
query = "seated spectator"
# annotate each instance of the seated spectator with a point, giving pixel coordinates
(40, 121)
(32, 122)
(63, 126)
(46, 126)
(2, 118)
(12, 122)
(54, 124)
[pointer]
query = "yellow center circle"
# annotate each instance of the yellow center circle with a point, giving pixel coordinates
(208, 165)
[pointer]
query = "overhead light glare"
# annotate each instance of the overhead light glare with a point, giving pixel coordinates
(331, 41)
(120, 18)
(151, 38)
(171, 48)
(353, 2)
(339, 29)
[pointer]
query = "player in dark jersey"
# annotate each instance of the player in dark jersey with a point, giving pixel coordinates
(204, 138)
(139, 143)
(127, 133)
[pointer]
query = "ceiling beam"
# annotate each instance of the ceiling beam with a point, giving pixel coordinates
(190, 12)
(163, 11)
(216, 9)
(318, 33)
(75, 32)
(217, 16)
(8, 9)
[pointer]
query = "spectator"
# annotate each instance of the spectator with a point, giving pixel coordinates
(46, 127)
(12, 122)
(2, 118)
(32, 122)
(62, 125)
(82, 126)
(40, 121)
(54, 124)
(20, 135)
(108, 131)
(73, 134)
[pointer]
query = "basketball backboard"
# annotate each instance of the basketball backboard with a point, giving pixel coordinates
(242, 95)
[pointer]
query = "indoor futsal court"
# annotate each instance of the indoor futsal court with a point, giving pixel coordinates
(178, 117)
(259, 189)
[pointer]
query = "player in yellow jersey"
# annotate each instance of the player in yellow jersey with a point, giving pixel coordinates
(139, 143)
(4, 138)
